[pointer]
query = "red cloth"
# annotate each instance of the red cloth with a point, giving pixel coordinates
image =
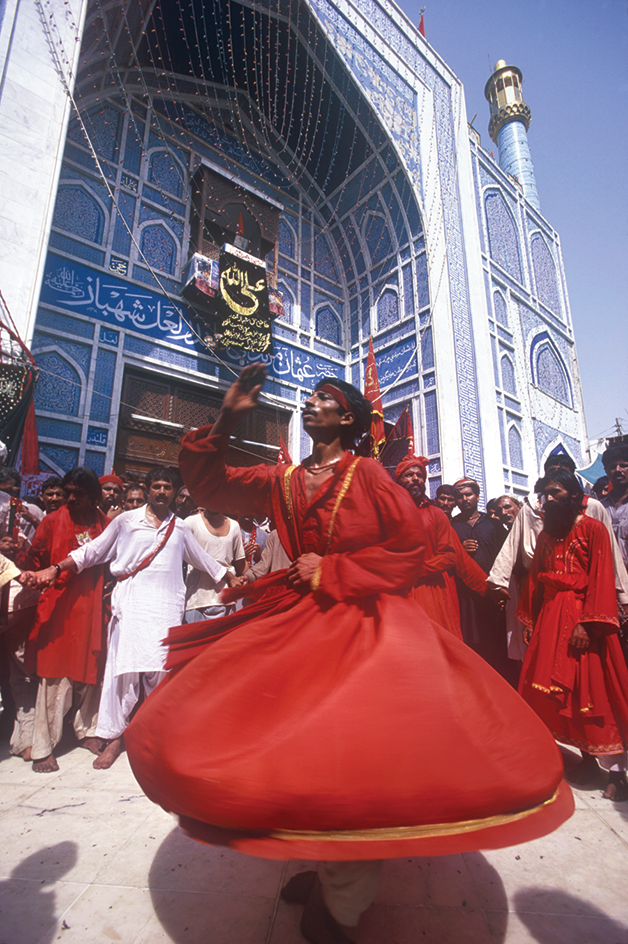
(67, 639)
(581, 696)
(345, 708)
(445, 556)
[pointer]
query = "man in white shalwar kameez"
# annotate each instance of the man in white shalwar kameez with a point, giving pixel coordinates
(145, 549)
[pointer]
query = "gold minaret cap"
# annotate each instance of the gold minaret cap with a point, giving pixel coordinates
(503, 92)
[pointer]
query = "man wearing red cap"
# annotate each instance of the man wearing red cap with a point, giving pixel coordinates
(112, 488)
(435, 589)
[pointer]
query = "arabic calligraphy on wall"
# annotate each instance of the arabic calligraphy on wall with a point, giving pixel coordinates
(77, 288)
(73, 288)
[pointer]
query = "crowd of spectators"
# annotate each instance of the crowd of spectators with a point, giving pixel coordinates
(82, 641)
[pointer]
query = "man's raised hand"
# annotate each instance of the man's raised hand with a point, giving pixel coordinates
(241, 397)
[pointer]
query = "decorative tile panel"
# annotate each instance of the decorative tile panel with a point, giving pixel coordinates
(96, 461)
(103, 386)
(62, 456)
(166, 173)
(58, 389)
(501, 310)
(328, 325)
(159, 249)
(502, 234)
(286, 239)
(387, 309)
(52, 319)
(432, 439)
(545, 274)
(323, 259)
(49, 428)
(515, 448)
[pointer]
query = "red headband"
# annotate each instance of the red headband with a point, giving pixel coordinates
(337, 394)
(408, 463)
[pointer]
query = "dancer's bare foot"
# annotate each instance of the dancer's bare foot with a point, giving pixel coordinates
(586, 773)
(617, 789)
(110, 754)
(93, 744)
(27, 754)
(317, 925)
(47, 765)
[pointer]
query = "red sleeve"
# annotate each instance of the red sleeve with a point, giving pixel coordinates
(600, 605)
(215, 485)
(388, 564)
(444, 557)
(466, 568)
(37, 557)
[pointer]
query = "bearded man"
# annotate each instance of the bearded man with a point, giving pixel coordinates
(574, 674)
(435, 587)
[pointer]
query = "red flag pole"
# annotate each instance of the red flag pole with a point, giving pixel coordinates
(373, 395)
(422, 23)
(284, 456)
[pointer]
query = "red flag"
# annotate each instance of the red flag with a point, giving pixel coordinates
(422, 26)
(373, 395)
(30, 444)
(400, 442)
(284, 455)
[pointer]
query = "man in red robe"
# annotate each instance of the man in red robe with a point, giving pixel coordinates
(66, 645)
(435, 588)
(574, 674)
(331, 719)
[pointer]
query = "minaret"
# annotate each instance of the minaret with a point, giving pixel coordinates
(510, 120)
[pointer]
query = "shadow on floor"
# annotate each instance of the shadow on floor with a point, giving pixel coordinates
(33, 903)
(554, 917)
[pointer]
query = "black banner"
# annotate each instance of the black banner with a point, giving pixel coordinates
(242, 302)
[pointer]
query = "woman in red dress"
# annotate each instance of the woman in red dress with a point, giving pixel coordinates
(332, 719)
(574, 674)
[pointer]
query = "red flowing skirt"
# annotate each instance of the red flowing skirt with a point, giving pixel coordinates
(346, 732)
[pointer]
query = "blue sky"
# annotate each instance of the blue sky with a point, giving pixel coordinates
(574, 59)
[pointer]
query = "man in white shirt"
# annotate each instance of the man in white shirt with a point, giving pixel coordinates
(220, 537)
(145, 549)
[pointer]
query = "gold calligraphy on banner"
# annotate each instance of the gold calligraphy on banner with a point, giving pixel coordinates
(235, 281)
(250, 334)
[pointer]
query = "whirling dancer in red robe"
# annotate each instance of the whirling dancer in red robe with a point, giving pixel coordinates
(435, 586)
(332, 719)
(574, 674)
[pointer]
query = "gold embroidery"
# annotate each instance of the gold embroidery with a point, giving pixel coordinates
(408, 832)
(344, 488)
(548, 691)
(287, 478)
(315, 581)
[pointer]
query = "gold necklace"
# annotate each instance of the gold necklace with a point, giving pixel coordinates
(317, 469)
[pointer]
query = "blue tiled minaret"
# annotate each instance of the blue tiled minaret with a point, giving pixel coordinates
(510, 120)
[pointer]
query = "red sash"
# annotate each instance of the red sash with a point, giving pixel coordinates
(153, 554)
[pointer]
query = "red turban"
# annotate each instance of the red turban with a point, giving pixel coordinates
(111, 478)
(410, 461)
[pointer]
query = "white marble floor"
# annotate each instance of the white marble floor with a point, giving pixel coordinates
(85, 858)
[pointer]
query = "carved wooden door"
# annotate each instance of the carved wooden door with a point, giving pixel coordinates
(154, 415)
